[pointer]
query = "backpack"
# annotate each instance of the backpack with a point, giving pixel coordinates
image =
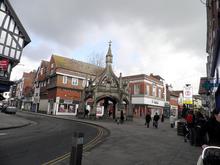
(189, 118)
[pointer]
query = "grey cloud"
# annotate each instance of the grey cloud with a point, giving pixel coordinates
(66, 21)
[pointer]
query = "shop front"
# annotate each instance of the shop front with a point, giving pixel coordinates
(66, 107)
(143, 105)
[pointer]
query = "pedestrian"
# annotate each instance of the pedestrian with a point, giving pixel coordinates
(162, 118)
(172, 121)
(122, 117)
(211, 128)
(155, 120)
(190, 121)
(199, 124)
(147, 119)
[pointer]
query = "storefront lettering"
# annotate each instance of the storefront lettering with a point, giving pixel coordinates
(155, 102)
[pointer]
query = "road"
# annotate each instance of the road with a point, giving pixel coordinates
(42, 141)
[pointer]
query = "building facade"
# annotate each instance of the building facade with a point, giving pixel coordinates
(40, 94)
(13, 38)
(147, 92)
(212, 48)
(64, 83)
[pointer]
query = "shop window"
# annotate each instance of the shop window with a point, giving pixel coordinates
(67, 108)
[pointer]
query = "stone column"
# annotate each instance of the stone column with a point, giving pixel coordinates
(92, 113)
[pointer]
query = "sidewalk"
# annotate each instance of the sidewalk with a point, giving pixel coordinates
(12, 121)
(130, 143)
(133, 144)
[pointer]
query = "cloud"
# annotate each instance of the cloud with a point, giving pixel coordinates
(161, 37)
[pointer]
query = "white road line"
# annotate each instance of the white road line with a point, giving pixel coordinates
(2, 134)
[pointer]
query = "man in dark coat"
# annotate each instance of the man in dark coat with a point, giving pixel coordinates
(155, 120)
(212, 128)
(147, 119)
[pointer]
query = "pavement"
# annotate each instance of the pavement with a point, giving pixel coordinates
(131, 143)
(9, 121)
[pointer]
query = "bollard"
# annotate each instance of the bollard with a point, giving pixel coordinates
(77, 149)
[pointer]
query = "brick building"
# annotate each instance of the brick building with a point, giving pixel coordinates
(25, 90)
(40, 99)
(59, 84)
(147, 94)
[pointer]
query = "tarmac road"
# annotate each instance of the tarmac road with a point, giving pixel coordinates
(45, 139)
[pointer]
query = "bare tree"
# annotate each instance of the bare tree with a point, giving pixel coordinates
(96, 59)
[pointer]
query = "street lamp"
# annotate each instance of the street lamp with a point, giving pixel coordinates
(13, 38)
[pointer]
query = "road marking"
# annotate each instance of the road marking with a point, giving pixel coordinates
(2, 134)
(86, 147)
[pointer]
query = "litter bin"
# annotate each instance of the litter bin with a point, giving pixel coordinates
(180, 128)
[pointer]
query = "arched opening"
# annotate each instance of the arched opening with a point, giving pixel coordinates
(106, 106)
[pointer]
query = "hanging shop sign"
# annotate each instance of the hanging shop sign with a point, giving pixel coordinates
(187, 94)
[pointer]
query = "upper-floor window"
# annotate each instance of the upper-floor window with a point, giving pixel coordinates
(147, 90)
(74, 81)
(52, 65)
(136, 89)
(64, 79)
(154, 90)
(48, 81)
(41, 71)
(159, 93)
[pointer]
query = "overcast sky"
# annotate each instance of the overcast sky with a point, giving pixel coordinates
(163, 37)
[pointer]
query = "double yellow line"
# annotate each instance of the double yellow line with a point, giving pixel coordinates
(86, 147)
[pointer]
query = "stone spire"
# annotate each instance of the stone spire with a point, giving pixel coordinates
(109, 55)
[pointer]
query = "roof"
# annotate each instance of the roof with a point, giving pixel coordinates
(18, 23)
(75, 65)
(157, 79)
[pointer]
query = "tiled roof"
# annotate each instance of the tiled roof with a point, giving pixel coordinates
(78, 66)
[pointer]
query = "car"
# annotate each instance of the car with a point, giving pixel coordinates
(3, 107)
(11, 110)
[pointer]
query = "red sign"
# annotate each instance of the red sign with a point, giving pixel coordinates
(4, 64)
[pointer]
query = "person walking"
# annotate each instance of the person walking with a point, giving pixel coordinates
(211, 127)
(147, 119)
(122, 117)
(162, 118)
(190, 120)
(155, 120)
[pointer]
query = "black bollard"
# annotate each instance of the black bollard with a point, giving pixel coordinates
(77, 149)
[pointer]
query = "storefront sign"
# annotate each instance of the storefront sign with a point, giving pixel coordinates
(4, 64)
(187, 94)
(147, 101)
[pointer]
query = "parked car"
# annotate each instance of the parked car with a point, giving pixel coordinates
(11, 110)
(3, 107)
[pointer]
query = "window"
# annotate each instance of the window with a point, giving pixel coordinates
(159, 93)
(136, 89)
(154, 90)
(52, 65)
(147, 90)
(74, 81)
(41, 71)
(64, 79)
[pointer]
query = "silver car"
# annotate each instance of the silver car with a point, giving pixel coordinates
(11, 109)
